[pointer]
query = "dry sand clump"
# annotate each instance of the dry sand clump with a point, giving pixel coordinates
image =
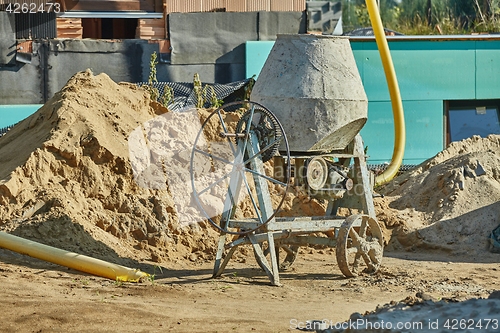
(450, 201)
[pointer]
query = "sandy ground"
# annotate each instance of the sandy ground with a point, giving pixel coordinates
(42, 297)
(66, 180)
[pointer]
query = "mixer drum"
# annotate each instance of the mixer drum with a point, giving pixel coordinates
(311, 83)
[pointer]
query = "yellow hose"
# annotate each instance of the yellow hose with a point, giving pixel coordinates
(397, 104)
(69, 259)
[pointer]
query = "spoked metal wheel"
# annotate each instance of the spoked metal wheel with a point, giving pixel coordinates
(285, 253)
(236, 143)
(360, 246)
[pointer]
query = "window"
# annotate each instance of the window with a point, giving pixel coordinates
(468, 118)
(109, 28)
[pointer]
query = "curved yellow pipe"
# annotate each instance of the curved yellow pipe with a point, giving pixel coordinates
(69, 259)
(397, 104)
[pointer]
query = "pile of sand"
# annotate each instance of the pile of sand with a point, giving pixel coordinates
(66, 177)
(449, 202)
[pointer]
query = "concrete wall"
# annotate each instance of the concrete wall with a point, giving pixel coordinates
(210, 44)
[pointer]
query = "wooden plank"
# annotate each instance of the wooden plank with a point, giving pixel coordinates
(70, 36)
(151, 33)
(151, 28)
(69, 28)
(68, 25)
(154, 22)
(158, 29)
(303, 223)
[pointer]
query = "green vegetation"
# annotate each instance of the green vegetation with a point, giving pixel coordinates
(152, 277)
(205, 94)
(427, 17)
(168, 93)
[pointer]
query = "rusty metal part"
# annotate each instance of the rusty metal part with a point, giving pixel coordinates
(359, 250)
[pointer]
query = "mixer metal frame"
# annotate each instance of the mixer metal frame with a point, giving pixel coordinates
(357, 238)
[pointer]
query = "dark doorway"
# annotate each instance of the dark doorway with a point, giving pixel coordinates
(109, 28)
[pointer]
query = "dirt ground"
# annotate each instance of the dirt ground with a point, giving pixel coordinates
(182, 297)
(78, 175)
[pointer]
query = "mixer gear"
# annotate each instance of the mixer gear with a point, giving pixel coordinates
(266, 127)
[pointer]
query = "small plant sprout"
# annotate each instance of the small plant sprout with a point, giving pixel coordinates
(210, 96)
(198, 91)
(152, 277)
(168, 93)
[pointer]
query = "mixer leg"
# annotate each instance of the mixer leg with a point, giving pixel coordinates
(361, 197)
(362, 170)
(270, 269)
(218, 257)
(332, 208)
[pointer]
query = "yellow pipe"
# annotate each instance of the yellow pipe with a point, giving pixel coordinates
(69, 259)
(397, 104)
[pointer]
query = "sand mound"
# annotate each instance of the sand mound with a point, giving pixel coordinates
(67, 176)
(66, 179)
(450, 201)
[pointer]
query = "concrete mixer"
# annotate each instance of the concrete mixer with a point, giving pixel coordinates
(300, 130)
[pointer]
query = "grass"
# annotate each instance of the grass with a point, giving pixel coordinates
(152, 277)
(446, 17)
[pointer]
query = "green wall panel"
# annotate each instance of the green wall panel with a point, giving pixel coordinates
(425, 70)
(424, 131)
(488, 70)
(429, 72)
(256, 53)
(359, 56)
(11, 114)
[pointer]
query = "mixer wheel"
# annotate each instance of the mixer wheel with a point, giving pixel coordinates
(230, 179)
(359, 249)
